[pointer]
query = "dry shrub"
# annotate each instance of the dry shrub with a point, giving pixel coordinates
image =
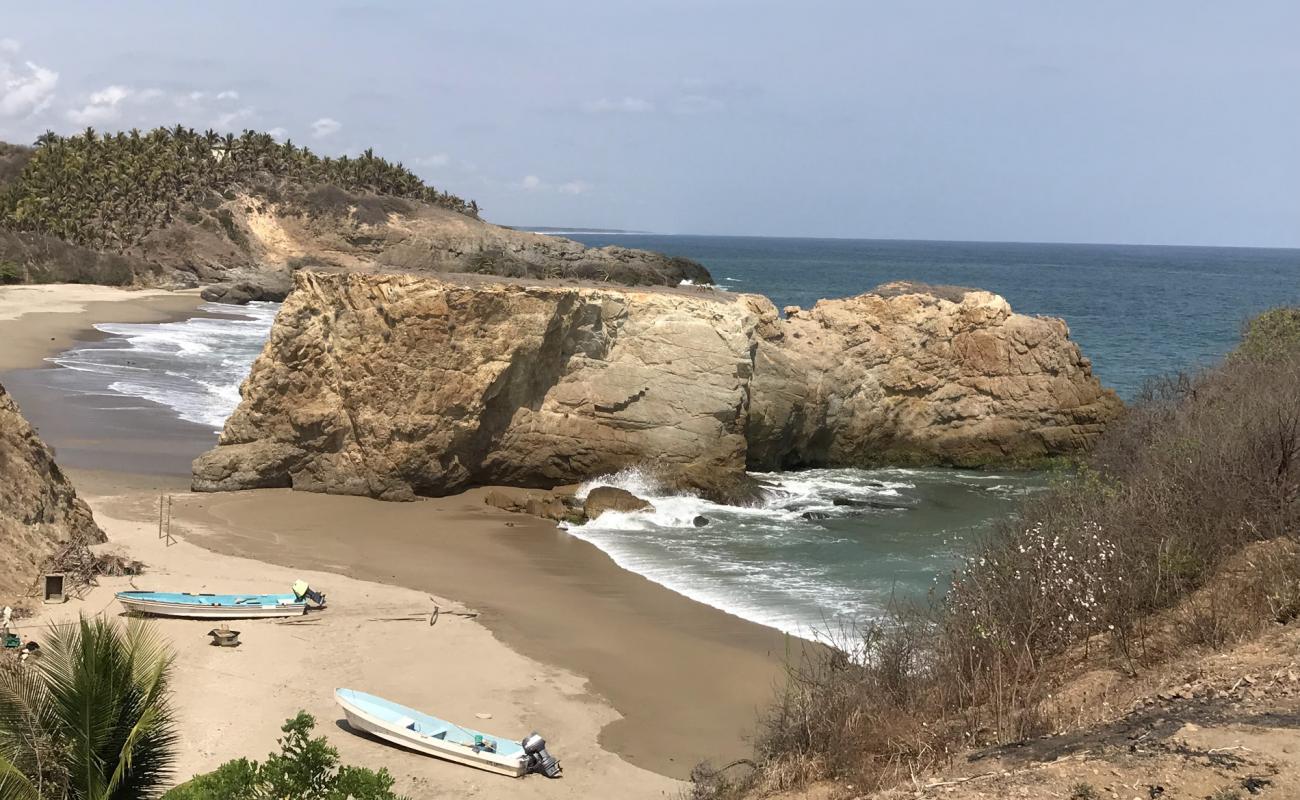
(1199, 480)
(859, 707)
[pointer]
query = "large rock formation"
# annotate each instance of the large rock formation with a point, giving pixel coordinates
(394, 386)
(39, 511)
(917, 374)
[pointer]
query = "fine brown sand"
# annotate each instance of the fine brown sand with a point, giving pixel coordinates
(669, 681)
(232, 702)
(688, 679)
(39, 321)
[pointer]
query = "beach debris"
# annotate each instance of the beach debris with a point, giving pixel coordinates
(483, 715)
(224, 637)
(80, 568)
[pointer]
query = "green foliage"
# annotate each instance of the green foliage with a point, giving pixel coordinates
(1272, 335)
(304, 768)
(111, 191)
(10, 273)
(91, 720)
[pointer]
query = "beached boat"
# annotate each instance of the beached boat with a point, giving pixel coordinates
(422, 733)
(213, 606)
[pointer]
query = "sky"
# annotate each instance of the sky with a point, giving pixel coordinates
(1161, 121)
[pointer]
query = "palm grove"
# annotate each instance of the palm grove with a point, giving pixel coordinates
(108, 192)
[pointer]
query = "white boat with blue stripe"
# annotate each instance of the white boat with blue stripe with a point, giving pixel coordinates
(432, 736)
(212, 606)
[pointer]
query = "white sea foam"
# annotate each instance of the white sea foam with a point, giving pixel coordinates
(194, 366)
(767, 563)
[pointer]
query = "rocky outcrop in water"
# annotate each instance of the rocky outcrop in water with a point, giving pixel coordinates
(394, 386)
(39, 510)
(913, 374)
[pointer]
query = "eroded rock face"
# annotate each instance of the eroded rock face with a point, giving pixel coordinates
(39, 510)
(395, 386)
(915, 374)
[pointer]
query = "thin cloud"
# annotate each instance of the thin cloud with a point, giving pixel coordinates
(626, 105)
(325, 126)
(435, 160)
(227, 121)
(104, 106)
(531, 182)
(575, 187)
(27, 89)
(229, 94)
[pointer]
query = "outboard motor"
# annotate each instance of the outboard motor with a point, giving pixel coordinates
(539, 760)
(304, 592)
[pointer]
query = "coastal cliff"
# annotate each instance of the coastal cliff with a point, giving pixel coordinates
(39, 510)
(394, 386)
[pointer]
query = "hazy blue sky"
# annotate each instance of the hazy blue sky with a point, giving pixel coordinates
(1097, 121)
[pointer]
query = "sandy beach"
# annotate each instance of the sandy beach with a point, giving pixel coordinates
(632, 683)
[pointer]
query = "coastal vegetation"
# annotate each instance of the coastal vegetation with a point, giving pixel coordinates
(110, 191)
(1177, 534)
(91, 719)
(305, 767)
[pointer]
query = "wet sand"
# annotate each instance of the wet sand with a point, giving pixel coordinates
(39, 321)
(688, 680)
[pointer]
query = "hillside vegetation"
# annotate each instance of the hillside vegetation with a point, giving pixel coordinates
(110, 191)
(174, 206)
(1177, 538)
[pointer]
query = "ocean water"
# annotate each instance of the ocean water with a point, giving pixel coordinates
(829, 546)
(194, 366)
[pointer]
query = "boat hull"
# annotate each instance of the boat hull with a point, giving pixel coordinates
(162, 608)
(362, 720)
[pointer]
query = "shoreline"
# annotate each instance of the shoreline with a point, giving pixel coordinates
(544, 595)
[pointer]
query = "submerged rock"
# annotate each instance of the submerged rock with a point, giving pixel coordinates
(815, 515)
(395, 386)
(700, 521)
(611, 498)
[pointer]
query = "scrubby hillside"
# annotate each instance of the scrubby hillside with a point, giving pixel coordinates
(179, 206)
(1140, 620)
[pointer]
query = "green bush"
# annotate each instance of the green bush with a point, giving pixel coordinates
(10, 272)
(1271, 335)
(305, 767)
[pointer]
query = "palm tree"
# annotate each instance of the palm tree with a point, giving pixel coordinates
(91, 720)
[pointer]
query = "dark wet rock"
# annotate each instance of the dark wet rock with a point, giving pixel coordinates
(610, 498)
(701, 521)
(815, 515)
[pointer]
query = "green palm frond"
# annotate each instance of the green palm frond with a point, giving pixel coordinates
(92, 721)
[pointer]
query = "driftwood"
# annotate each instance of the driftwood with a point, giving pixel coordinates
(81, 567)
